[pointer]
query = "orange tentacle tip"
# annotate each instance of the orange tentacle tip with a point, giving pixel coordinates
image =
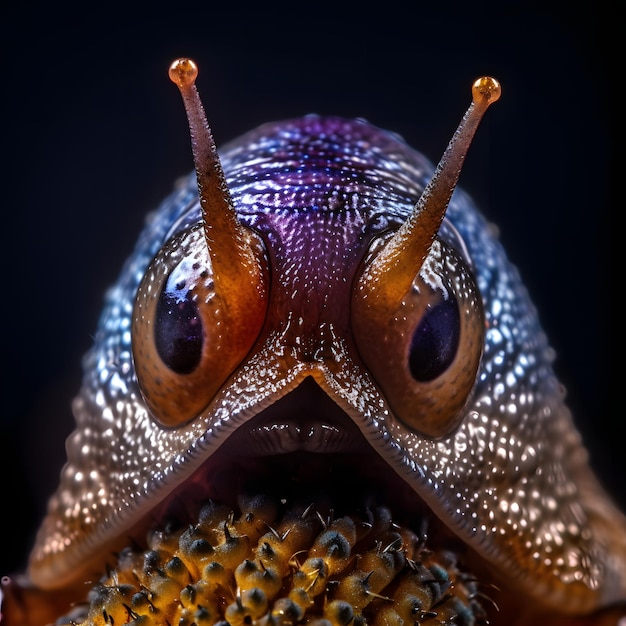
(183, 72)
(486, 89)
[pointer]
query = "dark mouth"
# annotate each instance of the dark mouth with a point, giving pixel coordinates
(303, 450)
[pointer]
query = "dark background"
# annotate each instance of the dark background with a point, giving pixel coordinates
(94, 134)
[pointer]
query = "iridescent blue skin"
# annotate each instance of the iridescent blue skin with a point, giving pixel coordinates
(512, 481)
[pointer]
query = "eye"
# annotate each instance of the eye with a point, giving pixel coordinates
(424, 348)
(188, 335)
(435, 341)
(178, 332)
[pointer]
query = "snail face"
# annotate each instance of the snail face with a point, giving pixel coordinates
(325, 312)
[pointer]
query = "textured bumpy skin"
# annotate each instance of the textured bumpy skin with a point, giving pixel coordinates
(512, 481)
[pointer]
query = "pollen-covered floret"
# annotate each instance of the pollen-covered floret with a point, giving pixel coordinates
(273, 565)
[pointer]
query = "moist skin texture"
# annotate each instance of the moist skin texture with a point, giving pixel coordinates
(317, 199)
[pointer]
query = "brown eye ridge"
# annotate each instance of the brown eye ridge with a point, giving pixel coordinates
(426, 352)
(178, 333)
(187, 334)
(435, 341)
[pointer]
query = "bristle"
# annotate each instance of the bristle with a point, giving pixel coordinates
(259, 567)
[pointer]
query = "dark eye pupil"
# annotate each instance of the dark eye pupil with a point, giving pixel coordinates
(435, 341)
(178, 333)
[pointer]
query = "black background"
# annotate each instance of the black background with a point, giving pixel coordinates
(94, 135)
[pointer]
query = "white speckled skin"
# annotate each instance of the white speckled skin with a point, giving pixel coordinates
(512, 481)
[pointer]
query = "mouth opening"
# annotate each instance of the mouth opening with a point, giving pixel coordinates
(302, 451)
